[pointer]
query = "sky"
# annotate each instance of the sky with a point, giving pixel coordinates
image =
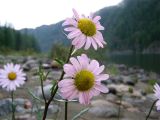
(33, 13)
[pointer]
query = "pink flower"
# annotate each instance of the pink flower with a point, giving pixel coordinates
(157, 95)
(11, 77)
(84, 31)
(82, 79)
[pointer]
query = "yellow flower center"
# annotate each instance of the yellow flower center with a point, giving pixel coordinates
(84, 80)
(12, 76)
(87, 27)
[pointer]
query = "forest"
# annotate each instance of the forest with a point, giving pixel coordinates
(14, 40)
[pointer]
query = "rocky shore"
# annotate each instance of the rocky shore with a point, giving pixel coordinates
(130, 93)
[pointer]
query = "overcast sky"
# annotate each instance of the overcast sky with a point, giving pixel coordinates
(33, 13)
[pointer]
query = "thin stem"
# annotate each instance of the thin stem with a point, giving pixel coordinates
(119, 109)
(54, 90)
(13, 108)
(66, 109)
(151, 109)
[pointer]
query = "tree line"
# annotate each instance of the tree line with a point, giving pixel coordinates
(14, 40)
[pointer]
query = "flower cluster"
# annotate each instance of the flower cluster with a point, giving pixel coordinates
(83, 76)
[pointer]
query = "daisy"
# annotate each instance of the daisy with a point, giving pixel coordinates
(11, 77)
(84, 31)
(82, 79)
(157, 95)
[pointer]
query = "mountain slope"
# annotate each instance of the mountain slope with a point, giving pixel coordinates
(132, 25)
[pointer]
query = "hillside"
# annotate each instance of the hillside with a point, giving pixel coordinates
(132, 25)
(47, 35)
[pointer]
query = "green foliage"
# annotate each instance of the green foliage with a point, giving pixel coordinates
(59, 51)
(113, 70)
(130, 90)
(12, 40)
(149, 89)
(152, 82)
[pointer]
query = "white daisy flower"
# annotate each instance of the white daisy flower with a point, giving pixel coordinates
(11, 77)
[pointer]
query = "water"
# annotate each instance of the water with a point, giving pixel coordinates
(149, 62)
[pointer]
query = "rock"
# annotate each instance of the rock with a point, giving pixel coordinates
(104, 109)
(112, 90)
(26, 67)
(54, 75)
(52, 108)
(26, 117)
(27, 104)
(34, 70)
(151, 97)
(119, 88)
(35, 78)
(6, 106)
(46, 66)
(116, 79)
(130, 82)
(111, 97)
(47, 92)
(32, 63)
(54, 64)
(122, 67)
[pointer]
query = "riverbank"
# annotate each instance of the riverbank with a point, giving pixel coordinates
(130, 88)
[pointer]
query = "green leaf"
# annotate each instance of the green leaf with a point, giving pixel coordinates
(60, 61)
(81, 113)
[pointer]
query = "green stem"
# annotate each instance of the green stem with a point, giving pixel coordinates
(151, 109)
(54, 90)
(66, 109)
(119, 109)
(13, 108)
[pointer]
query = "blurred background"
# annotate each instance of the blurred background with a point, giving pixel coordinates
(31, 33)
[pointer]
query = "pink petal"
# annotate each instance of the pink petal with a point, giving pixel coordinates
(83, 61)
(69, 21)
(93, 65)
(102, 77)
(75, 63)
(73, 95)
(75, 41)
(84, 98)
(99, 70)
(88, 43)
(158, 105)
(74, 34)
(70, 29)
(96, 19)
(98, 41)
(65, 82)
(99, 26)
(94, 92)
(100, 37)
(67, 88)
(81, 41)
(101, 88)
(75, 14)
(69, 69)
(93, 43)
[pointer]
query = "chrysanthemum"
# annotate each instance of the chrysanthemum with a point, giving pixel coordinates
(84, 31)
(82, 79)
(157, 95)
(11, 77)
